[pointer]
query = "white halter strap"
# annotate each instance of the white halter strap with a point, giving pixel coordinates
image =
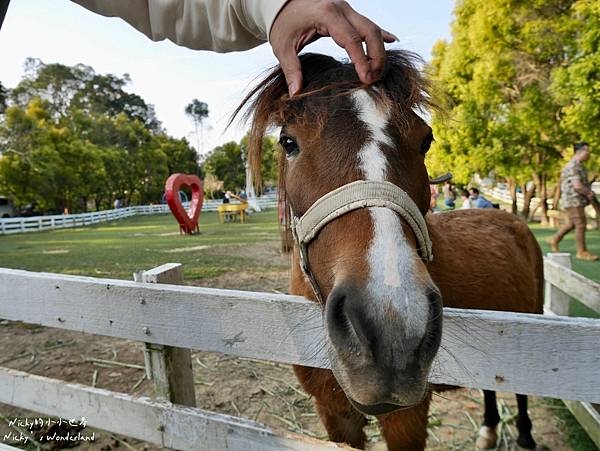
(355, 195)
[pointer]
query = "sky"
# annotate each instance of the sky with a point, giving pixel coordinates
(169, 76)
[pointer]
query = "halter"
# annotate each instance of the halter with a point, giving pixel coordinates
(355, 195)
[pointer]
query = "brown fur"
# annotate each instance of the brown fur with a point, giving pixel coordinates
(470, 269)
(475, 272)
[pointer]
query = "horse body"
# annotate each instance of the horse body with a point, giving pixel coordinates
(474, 272)
(367, 267)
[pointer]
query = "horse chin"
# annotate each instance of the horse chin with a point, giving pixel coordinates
(376, 409)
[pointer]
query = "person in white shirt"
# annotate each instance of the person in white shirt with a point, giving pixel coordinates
(232, 25)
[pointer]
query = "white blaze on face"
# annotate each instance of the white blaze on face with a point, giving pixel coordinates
(392, 280)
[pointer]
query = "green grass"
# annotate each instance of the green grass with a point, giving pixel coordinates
(591, 270)
(577, 438)
(115, 249)
(118, 248)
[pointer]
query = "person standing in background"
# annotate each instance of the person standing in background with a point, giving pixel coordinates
(576, 194)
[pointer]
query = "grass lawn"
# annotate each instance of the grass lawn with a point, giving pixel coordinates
(116, 249)
(591, 270)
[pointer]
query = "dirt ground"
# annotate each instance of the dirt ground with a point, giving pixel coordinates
(262, 391)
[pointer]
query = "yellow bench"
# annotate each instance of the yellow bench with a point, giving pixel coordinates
(232, 210)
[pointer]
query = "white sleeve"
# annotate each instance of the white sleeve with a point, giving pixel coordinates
(219, 25)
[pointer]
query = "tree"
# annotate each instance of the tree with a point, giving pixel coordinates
(226, 164)
(577, 85)
(73, 139)
(181, 156)
(69, 88)
(494, 78)
(198, 111)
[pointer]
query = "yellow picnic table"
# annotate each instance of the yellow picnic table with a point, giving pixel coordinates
(232, 210)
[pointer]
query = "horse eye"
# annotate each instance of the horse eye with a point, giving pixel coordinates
(426, 143)
(289, 145)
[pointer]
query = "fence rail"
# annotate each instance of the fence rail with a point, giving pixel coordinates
(40, 223)
(159, 422)
(529, 354)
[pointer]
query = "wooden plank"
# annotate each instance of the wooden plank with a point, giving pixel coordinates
(161, 423)
(555, 299)
(581, 288)
(588, 417)
(4, 447)
(170, 368)
(557, 303)
(529, 354)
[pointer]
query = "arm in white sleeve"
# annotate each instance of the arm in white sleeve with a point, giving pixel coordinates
(219, 25)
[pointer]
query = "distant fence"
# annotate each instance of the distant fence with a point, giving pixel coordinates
(504, 196)
(39, 223)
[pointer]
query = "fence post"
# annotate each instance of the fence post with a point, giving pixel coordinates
(556, 300)
(169, 367)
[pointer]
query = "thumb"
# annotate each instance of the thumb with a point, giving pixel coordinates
(290, 65)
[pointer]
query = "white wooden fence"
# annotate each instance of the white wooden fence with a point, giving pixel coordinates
(562, 283)
(531, 354)
(38, 223)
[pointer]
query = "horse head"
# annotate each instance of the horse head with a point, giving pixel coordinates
(352, 171)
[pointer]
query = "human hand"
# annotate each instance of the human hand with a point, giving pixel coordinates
(301, 22)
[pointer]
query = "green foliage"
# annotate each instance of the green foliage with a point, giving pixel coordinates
(228, 163)
(69, 88)
(494, 81)
(71, 139)
(577, 85)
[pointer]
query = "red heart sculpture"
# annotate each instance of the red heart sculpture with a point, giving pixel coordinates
(188, 220)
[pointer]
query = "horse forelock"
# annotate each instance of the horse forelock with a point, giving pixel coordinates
(402, 88)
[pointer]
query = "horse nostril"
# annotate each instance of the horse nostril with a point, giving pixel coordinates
(433, 336)
(346, 323)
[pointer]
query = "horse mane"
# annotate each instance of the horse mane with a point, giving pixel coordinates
(268, 103)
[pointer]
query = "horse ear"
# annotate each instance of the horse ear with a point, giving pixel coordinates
(441, 179)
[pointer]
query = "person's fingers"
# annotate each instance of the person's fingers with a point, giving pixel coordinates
(290, 65)
(346, 36)
(388, 37)
(371, 34)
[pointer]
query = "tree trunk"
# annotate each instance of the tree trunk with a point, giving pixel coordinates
(540, 187)
(512, 186)
(527, 196)
(98, 203)
(556, 197)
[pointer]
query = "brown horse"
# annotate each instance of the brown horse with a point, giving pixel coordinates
(366, 262)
